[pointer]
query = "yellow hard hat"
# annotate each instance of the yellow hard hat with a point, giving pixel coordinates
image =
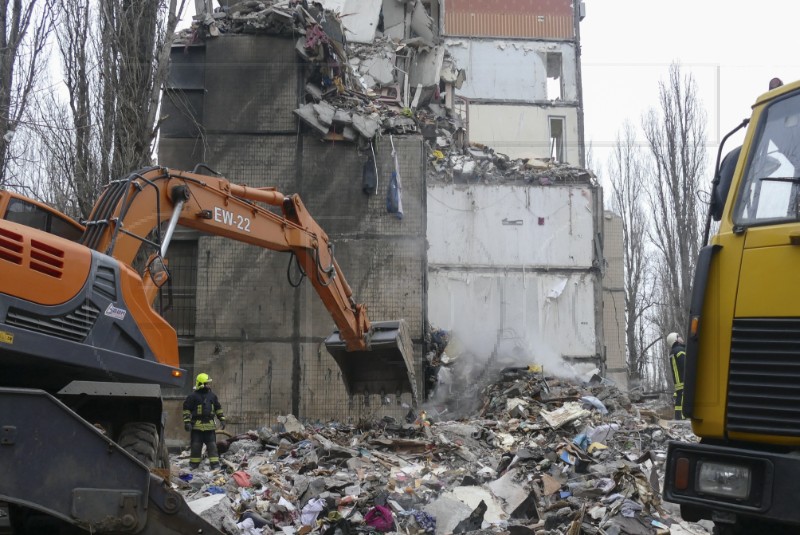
(202, 378)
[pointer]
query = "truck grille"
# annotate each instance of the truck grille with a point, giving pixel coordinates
(764, 381)
(73, 326)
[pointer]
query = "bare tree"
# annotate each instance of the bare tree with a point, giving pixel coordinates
(26, 27)
(114, 56)
(627, 173)
(676, 137)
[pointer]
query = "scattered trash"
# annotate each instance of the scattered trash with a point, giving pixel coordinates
(557, 467)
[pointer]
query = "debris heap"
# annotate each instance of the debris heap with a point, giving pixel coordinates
(374, 71)
(540, 455)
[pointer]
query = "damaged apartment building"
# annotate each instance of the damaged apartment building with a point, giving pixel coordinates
(343, 102)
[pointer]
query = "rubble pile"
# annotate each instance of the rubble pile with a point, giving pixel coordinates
(359, 86)
(541, 455)
(394, 79)
(479, 163)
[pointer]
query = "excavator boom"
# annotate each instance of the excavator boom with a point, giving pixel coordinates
(374, 358)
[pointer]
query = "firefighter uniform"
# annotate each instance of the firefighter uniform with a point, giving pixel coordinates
(199, 410)
(677, 359)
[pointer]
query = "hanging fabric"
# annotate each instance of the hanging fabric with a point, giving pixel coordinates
(369, 174)
(394, 193)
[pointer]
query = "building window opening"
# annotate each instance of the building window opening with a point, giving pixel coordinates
(555, 85)
(557, 139)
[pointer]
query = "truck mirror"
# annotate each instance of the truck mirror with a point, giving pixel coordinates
(725, 174)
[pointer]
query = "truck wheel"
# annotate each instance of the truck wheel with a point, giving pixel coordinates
(140, 439)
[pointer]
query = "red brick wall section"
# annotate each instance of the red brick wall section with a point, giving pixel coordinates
(539, 19)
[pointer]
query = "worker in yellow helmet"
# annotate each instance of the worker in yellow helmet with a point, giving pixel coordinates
(199, 410)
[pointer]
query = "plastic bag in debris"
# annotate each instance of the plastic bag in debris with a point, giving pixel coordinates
(602, 433)
(594, 402)
(248, 527)
(311, 511)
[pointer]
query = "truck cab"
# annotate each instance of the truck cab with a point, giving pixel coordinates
(743, 349)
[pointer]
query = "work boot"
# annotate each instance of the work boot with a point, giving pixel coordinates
(214, 466)
(194, 466)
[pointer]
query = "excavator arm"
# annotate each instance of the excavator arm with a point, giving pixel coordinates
(134, 211)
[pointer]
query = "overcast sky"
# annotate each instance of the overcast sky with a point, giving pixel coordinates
(733, 48)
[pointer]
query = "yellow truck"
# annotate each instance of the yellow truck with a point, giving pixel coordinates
(742, 382)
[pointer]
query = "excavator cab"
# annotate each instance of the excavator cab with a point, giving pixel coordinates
(31, 213)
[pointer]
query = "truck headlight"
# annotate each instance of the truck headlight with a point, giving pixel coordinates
(722, 479)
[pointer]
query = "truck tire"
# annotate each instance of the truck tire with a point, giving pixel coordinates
(140, 439)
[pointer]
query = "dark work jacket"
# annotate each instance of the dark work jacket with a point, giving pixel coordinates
(200, 408)
(677, 357)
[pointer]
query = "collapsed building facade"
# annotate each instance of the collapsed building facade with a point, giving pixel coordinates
(337, 103)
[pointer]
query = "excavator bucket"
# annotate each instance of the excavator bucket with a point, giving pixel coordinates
(387, 367)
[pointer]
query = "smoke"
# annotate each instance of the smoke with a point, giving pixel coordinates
(469, 365)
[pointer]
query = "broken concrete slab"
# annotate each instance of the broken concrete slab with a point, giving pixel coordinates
(325, 113)
(510, 488)
(359, 17)
(380, 68)
(426, 67)
(366, 126)
(342, 116)
(422, 24)
(448, 512)
(394, 19)
(308, 115)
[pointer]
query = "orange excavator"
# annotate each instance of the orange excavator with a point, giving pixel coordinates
(83, 353)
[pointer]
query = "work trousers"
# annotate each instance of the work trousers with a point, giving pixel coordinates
(198, 438)
(678, 400)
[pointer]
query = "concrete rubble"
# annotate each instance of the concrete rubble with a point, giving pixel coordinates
(376, 68)
(537, 455)
(371, 63)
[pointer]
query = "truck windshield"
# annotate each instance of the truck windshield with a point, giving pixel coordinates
(770, 192)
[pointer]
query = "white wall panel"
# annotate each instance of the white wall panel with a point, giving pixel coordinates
(510, 226)
(511, 69)
(522, 131)
(540, 316)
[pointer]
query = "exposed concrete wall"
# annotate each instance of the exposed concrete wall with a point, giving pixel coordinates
(549, 315)
(259, 337)
(512, 69)
(512, 270)
(614, 300)
(511, 96)
(511, 226)
(261, 328)
(523, 131)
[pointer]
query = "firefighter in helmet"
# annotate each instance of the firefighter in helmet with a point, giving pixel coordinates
(199, 410)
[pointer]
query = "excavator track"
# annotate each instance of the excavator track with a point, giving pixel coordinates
(93, 484)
